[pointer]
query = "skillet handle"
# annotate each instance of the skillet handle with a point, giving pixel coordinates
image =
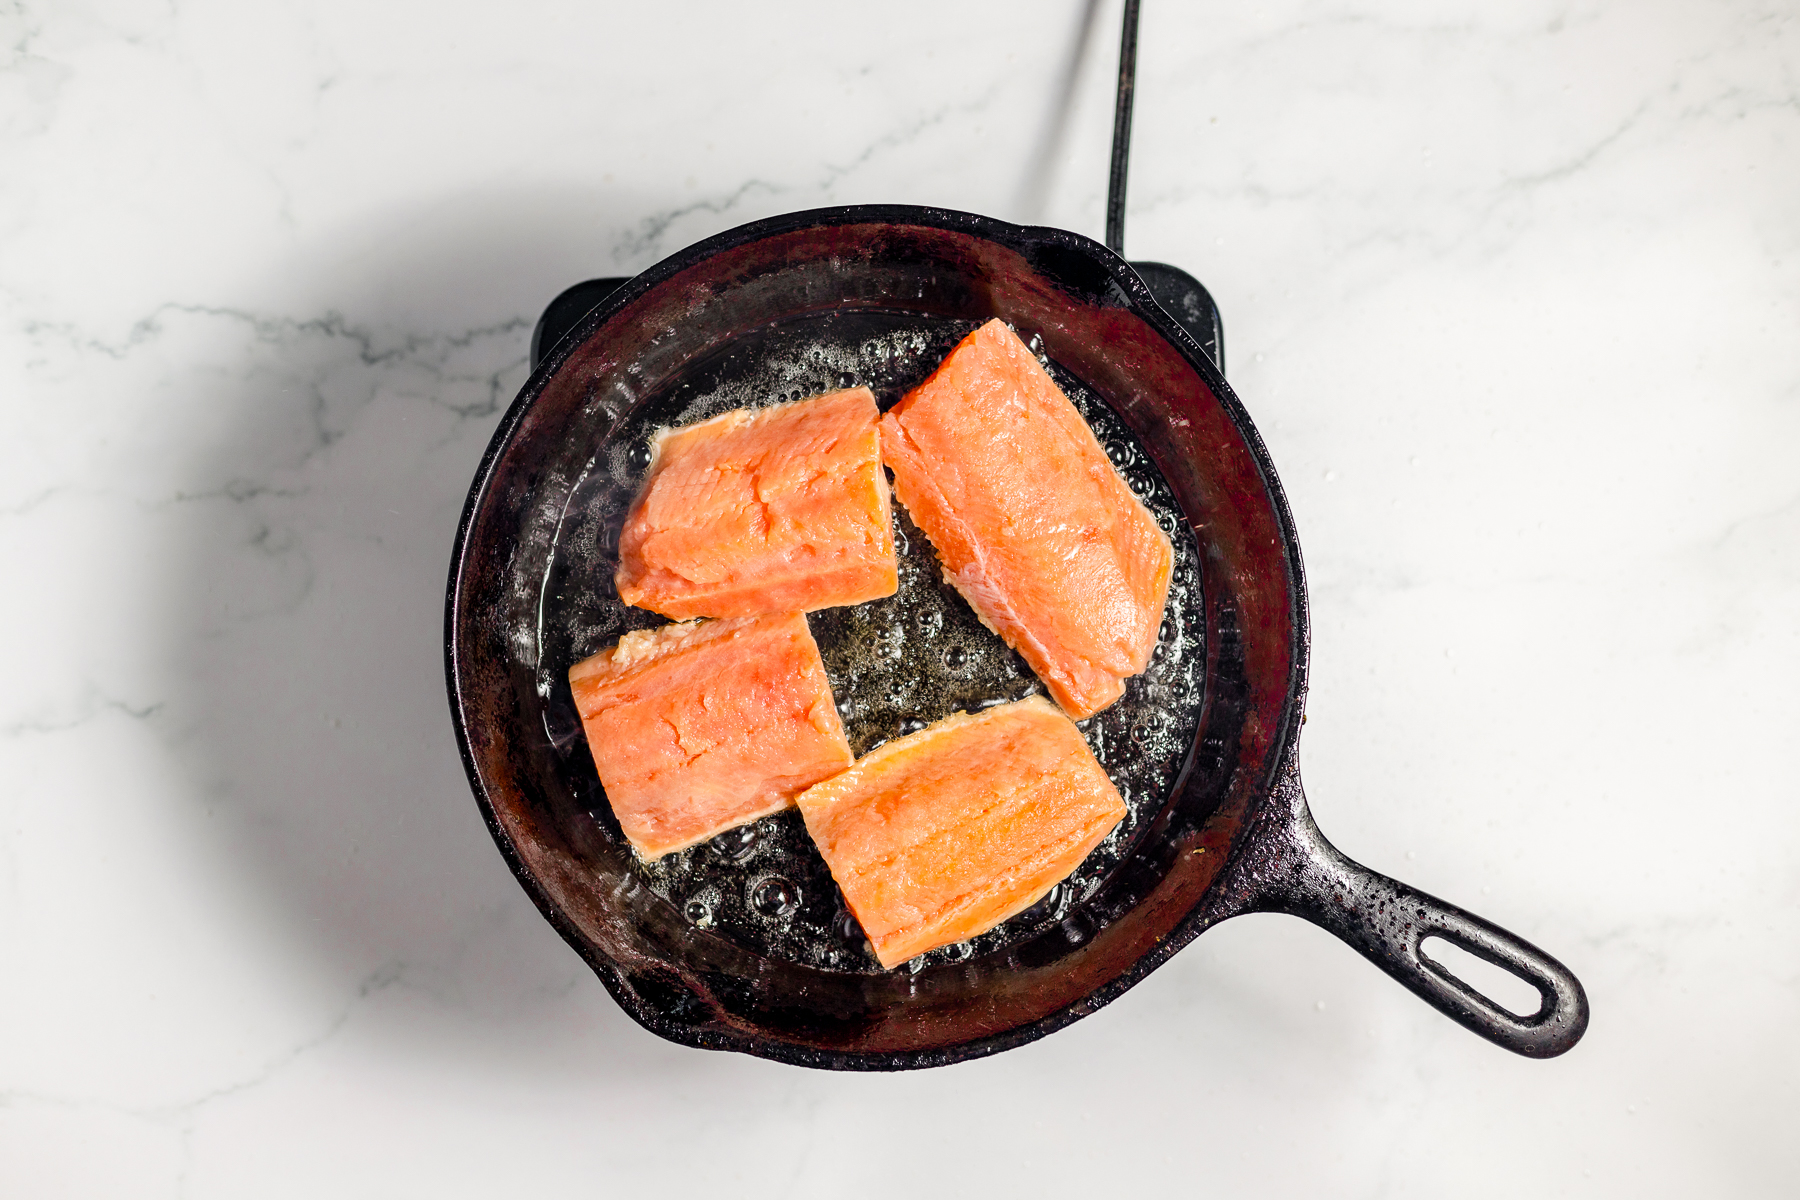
(1298, 872)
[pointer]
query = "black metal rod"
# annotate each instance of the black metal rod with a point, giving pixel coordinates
(1121, 150)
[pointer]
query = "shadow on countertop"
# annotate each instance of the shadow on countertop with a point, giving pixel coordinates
(305, 616)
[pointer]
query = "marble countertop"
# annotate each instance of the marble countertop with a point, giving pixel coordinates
(1512, 292)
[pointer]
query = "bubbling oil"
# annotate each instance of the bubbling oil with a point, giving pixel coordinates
(895, 664)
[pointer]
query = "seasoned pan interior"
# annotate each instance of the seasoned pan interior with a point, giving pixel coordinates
(895, 665)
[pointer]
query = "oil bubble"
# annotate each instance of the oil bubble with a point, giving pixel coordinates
(1046, 908)
(775, 897)
(640, 455)
(734, 845)
(699, 912)
(1078, 929)
(956, 658)
(1145, 733)
(848, 929)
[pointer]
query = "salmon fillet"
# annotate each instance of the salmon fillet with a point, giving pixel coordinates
(699, 727)
(1031, 522)
(780, 509)
(941, 835)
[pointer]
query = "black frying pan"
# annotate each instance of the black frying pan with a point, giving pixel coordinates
(739, 945)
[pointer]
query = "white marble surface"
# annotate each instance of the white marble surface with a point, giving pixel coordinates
(1513, 292)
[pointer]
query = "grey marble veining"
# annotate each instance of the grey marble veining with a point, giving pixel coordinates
(1512, 293)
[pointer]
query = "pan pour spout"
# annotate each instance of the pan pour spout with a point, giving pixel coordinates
(1289, 867)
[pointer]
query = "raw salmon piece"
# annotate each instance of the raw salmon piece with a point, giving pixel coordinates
(773, 510)
(1031, 522)
(941, 835)
(699, 727)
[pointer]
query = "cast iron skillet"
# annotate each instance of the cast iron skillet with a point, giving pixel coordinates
(1229, 834)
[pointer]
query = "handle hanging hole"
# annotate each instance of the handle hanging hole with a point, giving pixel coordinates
(1516, 995)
